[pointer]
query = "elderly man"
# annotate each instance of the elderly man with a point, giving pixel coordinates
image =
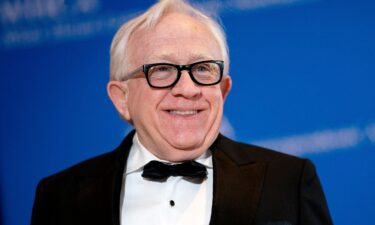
(169, 79)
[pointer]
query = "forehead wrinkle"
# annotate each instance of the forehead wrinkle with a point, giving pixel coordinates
(173, 58)
(181, 54)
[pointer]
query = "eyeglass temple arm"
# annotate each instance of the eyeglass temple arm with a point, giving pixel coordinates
(133, 73)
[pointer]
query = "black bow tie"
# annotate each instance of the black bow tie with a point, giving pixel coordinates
(159, 170)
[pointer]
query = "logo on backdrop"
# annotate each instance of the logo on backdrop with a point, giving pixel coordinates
(318, 141)
(321, 141)
(30, 22)
(34, 22)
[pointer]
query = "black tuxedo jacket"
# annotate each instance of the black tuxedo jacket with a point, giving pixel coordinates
(252, 185)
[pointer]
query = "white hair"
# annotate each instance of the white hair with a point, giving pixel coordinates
(119, 56)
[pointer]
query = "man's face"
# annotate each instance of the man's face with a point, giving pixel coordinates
(181, 122)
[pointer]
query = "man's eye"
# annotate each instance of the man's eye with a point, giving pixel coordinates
(162, 72)
(163, 68)
(203, 68)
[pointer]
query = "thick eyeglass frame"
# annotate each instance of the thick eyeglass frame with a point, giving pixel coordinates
(146, 67)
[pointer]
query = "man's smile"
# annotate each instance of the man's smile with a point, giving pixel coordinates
(184, 112)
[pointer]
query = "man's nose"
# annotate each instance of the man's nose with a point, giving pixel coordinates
(186, 87)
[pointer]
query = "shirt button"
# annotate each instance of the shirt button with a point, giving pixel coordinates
(171, 202)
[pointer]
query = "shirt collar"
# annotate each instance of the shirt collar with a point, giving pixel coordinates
(140, 156)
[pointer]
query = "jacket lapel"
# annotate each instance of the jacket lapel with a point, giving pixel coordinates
(238, 180)
(98, 195)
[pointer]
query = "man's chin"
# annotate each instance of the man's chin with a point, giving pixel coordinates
(186, 142)
(183, 155)
(182, 151)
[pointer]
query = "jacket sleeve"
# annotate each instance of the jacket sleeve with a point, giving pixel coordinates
(40, 211)
(313, 205)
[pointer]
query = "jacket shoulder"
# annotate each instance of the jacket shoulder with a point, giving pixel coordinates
(243, 153)
(93, 167)
(96, 166)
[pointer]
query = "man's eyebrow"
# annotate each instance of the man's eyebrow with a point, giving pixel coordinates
(170, 57)
(200, 57)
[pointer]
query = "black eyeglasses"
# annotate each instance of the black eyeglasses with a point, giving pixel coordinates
(164, 75)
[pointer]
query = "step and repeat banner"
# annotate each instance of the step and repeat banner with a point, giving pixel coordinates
(303, 83)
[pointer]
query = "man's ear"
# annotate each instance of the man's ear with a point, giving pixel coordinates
(226, 85)
(118, 92)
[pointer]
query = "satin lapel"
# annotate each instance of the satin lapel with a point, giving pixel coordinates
(98, 196)
(237, 186)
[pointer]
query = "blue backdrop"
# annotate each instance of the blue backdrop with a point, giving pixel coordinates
(303, 74)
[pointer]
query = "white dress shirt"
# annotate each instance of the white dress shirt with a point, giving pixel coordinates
(176, 201)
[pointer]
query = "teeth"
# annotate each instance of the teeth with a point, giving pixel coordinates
(189, 112)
